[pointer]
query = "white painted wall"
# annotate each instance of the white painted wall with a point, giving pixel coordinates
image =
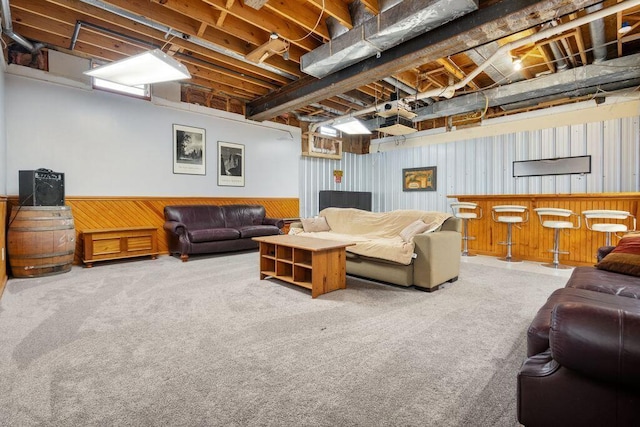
(113, 145)
(3, 133)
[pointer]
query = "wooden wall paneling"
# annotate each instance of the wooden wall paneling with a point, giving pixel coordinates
(533, 241)
(119, 212)
(3, 244)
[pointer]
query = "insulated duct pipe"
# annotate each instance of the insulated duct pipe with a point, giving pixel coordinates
(7, 28)
(598, 40)
(449, 91)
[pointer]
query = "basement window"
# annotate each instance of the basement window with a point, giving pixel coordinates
(328, 131)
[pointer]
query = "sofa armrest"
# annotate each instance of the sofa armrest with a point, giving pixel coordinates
(175, 227)
(599, 342)
(278, 222)
(437, 258)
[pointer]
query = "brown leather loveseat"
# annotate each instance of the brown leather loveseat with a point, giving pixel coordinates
(204, 229)
(583, 351)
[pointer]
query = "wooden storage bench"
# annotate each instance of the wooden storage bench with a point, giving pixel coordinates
(118, 243)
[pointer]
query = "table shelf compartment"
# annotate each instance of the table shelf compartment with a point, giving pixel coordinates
(284, 253)
(268, 250)
(302, 257)
(302, 275)
(284, 269)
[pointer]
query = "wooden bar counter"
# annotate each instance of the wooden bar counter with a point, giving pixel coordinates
(532, 240)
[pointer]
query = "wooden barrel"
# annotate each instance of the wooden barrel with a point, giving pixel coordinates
(41, 240)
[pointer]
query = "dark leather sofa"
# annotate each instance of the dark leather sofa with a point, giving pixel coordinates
(583, 354)
(206, 229)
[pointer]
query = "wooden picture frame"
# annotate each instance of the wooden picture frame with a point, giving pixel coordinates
(420, 179)
(231, 170)
(189, 150)
(324, 146)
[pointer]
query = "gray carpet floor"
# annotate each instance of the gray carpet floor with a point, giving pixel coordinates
(207, 343)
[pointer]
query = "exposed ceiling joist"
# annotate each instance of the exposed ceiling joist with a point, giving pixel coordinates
(469, 31)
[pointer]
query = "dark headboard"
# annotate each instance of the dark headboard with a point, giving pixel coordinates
(345, 199)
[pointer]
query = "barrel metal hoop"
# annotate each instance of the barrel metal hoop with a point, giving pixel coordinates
(36, 229)
(38, 267)
(47, 255)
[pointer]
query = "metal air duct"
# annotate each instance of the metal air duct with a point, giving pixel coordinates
(7, 28)
(598, 39)
(390, 28)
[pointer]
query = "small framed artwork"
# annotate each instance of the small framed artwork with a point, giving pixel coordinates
(189, 150)
(328, 148)
(419, 179)
(231, 170)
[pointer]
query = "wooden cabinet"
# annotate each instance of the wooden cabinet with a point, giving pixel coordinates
(118, 243)
(316, 264)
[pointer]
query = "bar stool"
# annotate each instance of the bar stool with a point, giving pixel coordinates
(463, 211)
(609, 227)
(550, 218)
(518, 215)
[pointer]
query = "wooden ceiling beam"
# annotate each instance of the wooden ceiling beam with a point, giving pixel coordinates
(306, 18)
(484, 25)
(119, 49)
(232, 26)
(454, 70)
(268, 22)
(108, 20)
(337, 9)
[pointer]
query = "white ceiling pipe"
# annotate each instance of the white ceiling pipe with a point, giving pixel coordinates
(449, 91)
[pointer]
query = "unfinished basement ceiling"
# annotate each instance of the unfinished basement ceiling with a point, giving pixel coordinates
(361, 53)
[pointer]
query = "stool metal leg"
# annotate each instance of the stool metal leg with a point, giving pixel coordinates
(509, 243)
(465, 238)
(556, 252)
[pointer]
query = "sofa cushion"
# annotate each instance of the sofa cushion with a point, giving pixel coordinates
(195, 216)
(604, 281)
(258, 230)
(315, 225)
(213, 234)
(236, 216)
(624, 258)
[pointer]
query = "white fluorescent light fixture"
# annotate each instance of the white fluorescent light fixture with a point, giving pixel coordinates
(351, 125)
(149, 67)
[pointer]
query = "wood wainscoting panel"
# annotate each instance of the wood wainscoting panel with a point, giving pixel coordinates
(3, 244)
(119, 212)
(532, 241)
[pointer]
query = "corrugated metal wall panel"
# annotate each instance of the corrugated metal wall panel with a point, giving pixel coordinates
(484, 166)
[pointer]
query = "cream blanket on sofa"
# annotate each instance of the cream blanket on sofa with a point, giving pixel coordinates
(377, 234)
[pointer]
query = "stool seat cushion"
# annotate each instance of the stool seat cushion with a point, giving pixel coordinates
(466, 215)
(613, 228)
(511, 219)
(557, 224)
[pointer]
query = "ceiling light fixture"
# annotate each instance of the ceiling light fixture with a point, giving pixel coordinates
(153, 66)
(351, 125)
(624, 28)
(273, 35)
(517, 63)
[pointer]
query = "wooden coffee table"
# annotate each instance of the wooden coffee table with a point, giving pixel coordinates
(316, 264)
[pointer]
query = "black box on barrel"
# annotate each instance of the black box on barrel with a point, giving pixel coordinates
(41, 187)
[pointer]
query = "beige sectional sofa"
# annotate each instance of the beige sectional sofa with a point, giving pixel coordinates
(387, 248)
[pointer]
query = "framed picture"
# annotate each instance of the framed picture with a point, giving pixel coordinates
(326, 147)
(231, 160)
(419, 179)
(189, 150)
